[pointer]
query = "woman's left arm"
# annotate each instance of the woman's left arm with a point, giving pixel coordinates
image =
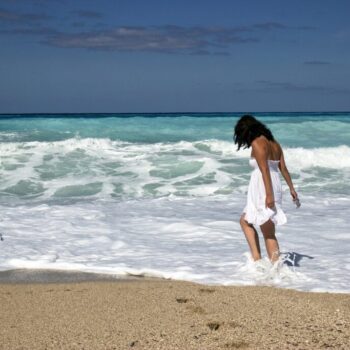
(260, 150)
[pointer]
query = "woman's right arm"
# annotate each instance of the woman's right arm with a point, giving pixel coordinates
(285, 173)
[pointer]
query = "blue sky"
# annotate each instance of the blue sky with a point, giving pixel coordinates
(168, 56)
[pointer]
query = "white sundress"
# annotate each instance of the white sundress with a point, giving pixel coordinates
(255, 211)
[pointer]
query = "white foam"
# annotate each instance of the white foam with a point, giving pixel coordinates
(300, 158)
(126, 169)
(195, 239)
(332, 157)
(192, 234)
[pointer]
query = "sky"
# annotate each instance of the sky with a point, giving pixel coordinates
(124, 56)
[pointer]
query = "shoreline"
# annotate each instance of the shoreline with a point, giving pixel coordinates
(144, 313)
(57, 276)
(28, 276)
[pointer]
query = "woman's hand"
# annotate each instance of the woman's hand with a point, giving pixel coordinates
(270, 201)
(295, 198)
(294, 194)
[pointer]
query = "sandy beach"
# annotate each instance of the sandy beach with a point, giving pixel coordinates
(164, 314)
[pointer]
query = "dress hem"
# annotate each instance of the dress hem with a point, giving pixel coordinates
(262, 215)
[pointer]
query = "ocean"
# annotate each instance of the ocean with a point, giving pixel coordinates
(161, 195)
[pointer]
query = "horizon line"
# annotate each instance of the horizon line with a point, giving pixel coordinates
(180, 112)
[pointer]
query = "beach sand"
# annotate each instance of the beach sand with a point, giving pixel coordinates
(162, 314)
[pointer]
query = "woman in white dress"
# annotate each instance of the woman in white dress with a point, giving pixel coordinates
(264, 198)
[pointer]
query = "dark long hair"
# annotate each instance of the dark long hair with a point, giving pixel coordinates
(248, 129)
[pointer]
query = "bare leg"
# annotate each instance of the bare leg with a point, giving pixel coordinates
(252, 238)
(271, 243)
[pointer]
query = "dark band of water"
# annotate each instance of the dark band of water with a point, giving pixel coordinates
(174, 115)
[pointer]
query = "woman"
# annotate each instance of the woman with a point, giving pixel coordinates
(265, 191)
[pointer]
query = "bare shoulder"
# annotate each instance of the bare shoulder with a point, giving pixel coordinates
(260, 147)
(260, 142)
(276, 150)
(277, 146)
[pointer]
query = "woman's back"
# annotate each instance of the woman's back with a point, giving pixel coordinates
(274, 150)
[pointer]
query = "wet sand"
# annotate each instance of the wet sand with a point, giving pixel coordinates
(56, 276)
(162, 314)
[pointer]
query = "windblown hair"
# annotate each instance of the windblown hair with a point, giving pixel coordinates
(248, 129)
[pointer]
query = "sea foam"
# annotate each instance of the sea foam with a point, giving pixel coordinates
(103, 168)
(193, 239)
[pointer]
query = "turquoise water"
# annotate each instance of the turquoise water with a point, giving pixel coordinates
(84, 157)
(291, 129)
(161, 195)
